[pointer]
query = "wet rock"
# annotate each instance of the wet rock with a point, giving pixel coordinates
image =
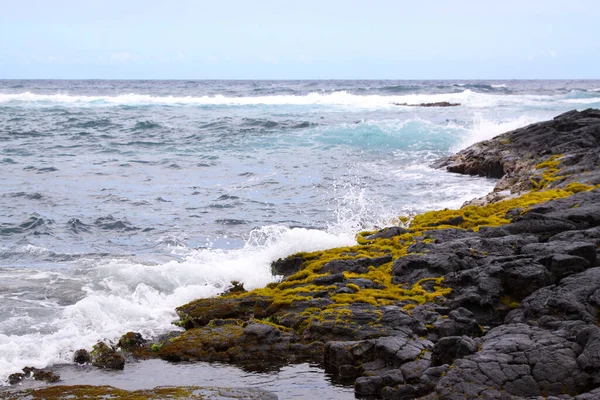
(388, 233)
(435, 104)
(199, 313)
(513, 156)
(368, 385)
(239, 342)
(33, 373)
(82, 356)
(412, 268)
(104, 356)
(346, 358)
(131, 340)
(359, 265)
(287, 266)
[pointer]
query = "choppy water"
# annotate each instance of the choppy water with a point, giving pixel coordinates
(120, 200)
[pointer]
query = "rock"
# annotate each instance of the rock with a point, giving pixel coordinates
(34, 373)
(199, 313)
(388, 233)
(250, 344)
(359, 265)
(346, 358)
(131, 340)
(400, 349)
(436, 104)
(512, 157)
(448, 348)
(82, 356)
(431, 376)
(573, 299)
(287, 266)
(519, 360)
(368, 385)
(460, 322)
(104, 356)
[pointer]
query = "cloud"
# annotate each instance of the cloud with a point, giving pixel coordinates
(552, 53)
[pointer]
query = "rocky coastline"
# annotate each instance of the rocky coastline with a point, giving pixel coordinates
(497, 300)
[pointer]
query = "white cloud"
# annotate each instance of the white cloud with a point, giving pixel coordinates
(552, 53)
(531, 58)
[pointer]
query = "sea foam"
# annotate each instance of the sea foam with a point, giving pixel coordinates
(338, 98)
(126, 295)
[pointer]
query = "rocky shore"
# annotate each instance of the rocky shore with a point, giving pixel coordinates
(497, 300)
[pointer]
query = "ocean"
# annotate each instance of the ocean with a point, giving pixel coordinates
(121, 200)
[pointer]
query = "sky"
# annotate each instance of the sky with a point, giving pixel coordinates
(308, 39)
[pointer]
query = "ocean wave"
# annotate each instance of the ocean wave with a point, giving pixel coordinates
(127, 295)
(481, 129)
(339, 98)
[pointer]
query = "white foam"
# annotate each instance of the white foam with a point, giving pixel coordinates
(591, 100)
(125, 295)
(341, 98)
(483, 129)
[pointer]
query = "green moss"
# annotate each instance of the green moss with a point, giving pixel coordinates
(156, 346)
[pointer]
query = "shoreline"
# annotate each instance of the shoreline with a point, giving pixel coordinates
(420, 309)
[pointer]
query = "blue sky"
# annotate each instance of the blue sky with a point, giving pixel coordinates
(308, 39)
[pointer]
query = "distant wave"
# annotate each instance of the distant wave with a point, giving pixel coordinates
(466, 97)
(341, 98)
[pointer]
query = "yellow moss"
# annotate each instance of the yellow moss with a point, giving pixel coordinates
(492, 214)
(301, 287)
(353, 287)
(508, 302)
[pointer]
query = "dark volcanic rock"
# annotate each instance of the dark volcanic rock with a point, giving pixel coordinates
(512, 156)
(33, 373)
(82, 356)
(359, 265)
(287, 266)
(518, 360)
(131, 340)
(436, 104)
(252, 344)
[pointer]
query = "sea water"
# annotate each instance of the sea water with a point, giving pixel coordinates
(121, 200)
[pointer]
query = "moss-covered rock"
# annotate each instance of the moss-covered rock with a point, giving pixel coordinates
(87, 392)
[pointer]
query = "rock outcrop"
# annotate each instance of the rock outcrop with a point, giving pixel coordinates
(548, 154)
